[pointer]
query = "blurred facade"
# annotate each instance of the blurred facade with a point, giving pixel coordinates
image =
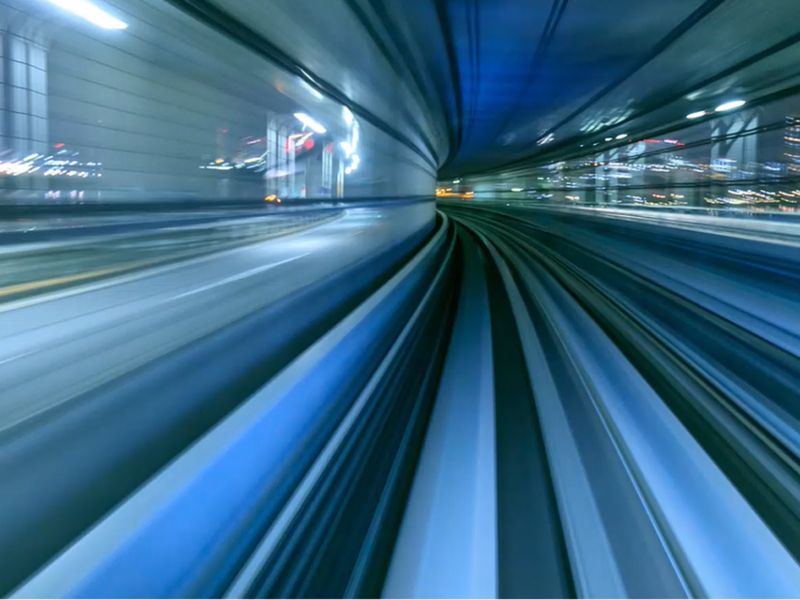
(165, 107)
(749, 158)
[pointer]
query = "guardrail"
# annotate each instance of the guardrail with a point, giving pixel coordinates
(92, 253)
(121, 432)
(225, 503)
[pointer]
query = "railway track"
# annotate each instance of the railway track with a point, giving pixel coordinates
(533, 404)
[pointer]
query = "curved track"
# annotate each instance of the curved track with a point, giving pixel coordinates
(534, 403)
(662, 369)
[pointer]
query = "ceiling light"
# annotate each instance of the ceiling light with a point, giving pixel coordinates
(90, 12)
(725, 106)
(310, 123)
(697, 114)
(608, 139)
(621, 136)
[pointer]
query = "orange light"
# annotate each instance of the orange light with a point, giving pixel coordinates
(448, 193)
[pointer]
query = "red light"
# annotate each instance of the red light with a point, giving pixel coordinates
(308, 144)
(58, 145)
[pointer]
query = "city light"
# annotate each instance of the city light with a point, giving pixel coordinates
(347, 115)
(90, 12)
(310, 122)
(725, 106)
(608, 139)
(621, 136)
(355, 160)
(348, 149)
(696, 114)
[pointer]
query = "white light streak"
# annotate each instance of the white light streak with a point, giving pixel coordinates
(309, 122)
(90, 12)
(725, 106)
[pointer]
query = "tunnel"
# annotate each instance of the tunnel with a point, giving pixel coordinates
(400, 299)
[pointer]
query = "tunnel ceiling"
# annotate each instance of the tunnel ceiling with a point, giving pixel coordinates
(488, 85)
